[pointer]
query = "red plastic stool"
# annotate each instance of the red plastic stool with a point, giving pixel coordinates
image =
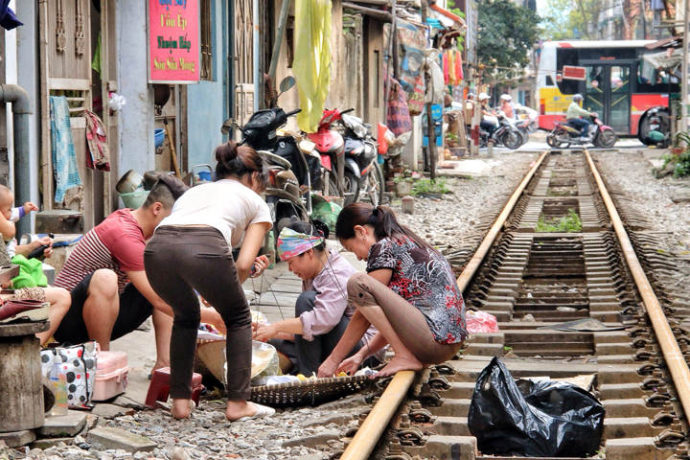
(159, 388)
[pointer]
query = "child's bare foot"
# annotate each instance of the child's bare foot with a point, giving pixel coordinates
(400, 363)
(182, 408)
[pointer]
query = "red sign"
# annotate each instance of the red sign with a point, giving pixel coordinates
(174, 41)
(574, 73)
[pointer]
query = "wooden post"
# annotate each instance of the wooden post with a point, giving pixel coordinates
(21, 392)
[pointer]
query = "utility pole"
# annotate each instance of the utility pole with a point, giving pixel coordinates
(431, 128)
(684, 86)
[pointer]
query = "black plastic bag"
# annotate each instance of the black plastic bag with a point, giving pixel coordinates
(536, 419)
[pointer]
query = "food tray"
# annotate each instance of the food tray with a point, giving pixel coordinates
(309, 392)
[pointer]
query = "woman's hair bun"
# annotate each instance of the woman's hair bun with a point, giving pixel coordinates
(321, 227)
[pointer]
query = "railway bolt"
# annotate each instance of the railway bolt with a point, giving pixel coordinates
(669, 438)
(420, 415)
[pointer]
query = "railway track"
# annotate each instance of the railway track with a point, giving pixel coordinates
(535, 275)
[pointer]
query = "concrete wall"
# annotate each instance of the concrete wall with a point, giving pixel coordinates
(136, 120)
(207, 102)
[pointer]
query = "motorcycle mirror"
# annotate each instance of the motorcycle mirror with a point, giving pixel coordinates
(286, 84)
(228, 125)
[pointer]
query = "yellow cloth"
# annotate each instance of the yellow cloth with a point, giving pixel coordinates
(312, 61)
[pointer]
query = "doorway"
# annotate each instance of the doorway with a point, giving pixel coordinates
(608, 92)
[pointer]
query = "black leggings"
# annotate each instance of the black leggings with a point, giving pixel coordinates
(179, 260)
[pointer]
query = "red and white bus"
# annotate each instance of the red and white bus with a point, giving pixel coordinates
(618, 79)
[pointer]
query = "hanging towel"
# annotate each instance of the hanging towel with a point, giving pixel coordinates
(99, 156)
(312, 61)
(62, 147)
(459, 74)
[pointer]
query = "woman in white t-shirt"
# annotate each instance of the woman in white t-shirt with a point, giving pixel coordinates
(192, 250)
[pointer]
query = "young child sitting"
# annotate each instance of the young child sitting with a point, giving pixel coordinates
(8, 216)
(58, 298)
(322, 311)
(410, 294)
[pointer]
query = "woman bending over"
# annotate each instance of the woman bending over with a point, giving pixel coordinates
(410, 295)
(192, 250)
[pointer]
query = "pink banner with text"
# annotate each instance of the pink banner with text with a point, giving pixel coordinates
(174, 41)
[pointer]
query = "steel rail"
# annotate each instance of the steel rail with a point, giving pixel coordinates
(368, 435)
(675, 361)
(483, 249)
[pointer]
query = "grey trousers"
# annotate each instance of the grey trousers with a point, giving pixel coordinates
(308, 356)
(180, 260)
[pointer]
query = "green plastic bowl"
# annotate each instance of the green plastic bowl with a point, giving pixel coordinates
(134, 199)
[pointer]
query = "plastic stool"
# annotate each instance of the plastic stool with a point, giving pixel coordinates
(159, 388)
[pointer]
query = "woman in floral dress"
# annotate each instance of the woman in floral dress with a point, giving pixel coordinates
(409, 294)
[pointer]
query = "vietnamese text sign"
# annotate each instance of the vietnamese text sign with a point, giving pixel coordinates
(571, 72)
(174, 41)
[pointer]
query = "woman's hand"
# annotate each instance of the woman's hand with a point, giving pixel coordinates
(328, 367)
(264, 332)
(211, 316)
(351, 364)
(260, 264)
(45, 241)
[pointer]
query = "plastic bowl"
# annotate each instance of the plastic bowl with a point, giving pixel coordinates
(134, 199)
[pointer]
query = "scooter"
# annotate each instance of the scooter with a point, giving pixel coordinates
(290, 169)
(331, 147)
(563, 135)
(506, 134)
(363, 175)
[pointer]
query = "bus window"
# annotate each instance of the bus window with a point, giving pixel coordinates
(620, 79)
(651, 80)
(549, 81)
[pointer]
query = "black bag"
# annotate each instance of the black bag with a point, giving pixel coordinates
(534, 419)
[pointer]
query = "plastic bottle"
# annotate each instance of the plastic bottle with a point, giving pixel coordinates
(59, 388)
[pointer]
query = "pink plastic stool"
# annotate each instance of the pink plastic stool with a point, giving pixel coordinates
(159, 388)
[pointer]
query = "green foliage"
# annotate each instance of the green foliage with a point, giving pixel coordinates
(569, 19)
(507, 33)
(681, 163)
(571, 223)
(682, 168)
(430, 187)
(460, 41)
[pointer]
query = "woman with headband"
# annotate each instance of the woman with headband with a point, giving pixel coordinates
(322, 311)
(409, 294)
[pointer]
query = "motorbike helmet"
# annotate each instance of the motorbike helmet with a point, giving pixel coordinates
(577, 97)
(483, 96)
(506, 97)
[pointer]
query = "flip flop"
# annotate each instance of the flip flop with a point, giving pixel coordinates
(261, 411)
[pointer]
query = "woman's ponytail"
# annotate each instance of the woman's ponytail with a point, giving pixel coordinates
(382, 218)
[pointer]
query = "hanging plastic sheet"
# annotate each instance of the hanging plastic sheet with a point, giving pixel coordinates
(411, 46)
(533, 418)
(8, 19)
(312, 61)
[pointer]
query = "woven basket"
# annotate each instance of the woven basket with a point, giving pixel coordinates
(310, 392)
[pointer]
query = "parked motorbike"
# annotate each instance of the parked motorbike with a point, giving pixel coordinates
(506, 134)
(563, 135)
(363, 175)
(290, 168)
(330, 145)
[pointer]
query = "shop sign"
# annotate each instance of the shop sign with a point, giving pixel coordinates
(173, 41)
(571, 72)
